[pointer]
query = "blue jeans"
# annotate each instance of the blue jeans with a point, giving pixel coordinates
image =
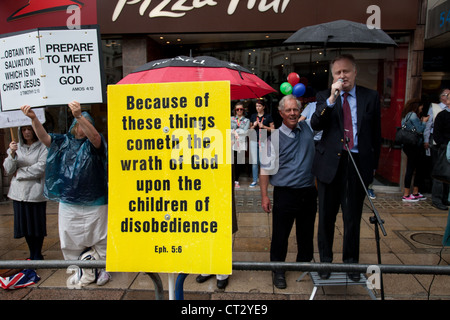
(254, 159)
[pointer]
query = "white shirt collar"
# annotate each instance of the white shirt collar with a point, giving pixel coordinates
(287, 131)
(444, 106)
(352, 92)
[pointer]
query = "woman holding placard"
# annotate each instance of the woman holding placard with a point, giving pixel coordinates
(26, 164)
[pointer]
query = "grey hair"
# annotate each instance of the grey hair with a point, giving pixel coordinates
(288, 97)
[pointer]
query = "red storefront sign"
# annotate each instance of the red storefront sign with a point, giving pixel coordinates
(188, 16)
(224, 16)
(19, 15)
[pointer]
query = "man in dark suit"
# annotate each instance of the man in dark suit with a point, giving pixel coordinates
(349, 116)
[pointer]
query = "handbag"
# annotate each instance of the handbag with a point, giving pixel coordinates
(441, 168)
(408, 137)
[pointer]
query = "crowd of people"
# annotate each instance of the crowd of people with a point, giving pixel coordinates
(434, 134)
(317, 148)
(313, 160)
(327, 153)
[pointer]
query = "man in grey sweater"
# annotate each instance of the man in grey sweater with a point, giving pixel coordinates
(294, 194)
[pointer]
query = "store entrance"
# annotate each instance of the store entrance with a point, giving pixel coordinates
(383, 70)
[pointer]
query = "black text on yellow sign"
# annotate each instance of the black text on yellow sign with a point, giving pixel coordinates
(169, 178)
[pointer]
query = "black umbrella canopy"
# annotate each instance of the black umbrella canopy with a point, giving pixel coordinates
(184, 61)
(341, 33)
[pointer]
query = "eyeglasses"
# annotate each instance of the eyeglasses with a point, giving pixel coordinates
(445, 95)
(240, 109)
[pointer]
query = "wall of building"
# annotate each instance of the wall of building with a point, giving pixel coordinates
(251, 33)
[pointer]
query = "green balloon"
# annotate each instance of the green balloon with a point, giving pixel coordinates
(286, 88)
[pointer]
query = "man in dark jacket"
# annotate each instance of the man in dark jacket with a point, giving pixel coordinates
(358, 131)
(441, 133)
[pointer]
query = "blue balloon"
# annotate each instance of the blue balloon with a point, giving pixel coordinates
(299, 90)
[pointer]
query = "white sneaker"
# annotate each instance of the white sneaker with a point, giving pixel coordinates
(236, 184)
(103, 278)
(419, 196)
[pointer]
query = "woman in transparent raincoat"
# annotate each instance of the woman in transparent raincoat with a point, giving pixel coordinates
(76, 177)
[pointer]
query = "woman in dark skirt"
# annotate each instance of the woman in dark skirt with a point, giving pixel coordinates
(26, 164)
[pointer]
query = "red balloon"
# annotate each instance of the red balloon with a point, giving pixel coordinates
(293, 78)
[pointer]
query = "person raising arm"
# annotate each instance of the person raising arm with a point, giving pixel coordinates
(76, 177)
(84, 127)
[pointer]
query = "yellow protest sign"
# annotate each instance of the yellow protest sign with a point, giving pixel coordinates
(169, 179)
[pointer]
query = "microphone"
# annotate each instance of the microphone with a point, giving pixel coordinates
(347, 139)
(336, 92)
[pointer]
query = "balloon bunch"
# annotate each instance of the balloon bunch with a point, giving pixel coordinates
(294, 85)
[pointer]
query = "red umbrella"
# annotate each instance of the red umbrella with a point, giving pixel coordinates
(244, 84)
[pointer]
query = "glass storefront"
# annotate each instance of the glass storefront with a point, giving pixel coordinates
(384, 70)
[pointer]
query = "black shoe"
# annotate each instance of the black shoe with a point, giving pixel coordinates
(201, 279)
(279, 280)
(324, 275)
(440, 206)
(222, 284)
(354, 276)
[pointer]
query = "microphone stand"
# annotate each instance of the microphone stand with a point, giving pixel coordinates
(375, 219)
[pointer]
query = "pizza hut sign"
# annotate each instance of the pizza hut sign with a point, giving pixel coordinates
(179, 8)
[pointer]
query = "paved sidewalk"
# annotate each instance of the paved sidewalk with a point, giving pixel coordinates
(414, 237)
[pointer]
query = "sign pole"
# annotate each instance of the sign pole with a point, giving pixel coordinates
(13, 136)
(171, 277)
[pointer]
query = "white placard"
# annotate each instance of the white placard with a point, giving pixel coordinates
(16, 118)
(72, 66)
(50, 67)
(20, 71)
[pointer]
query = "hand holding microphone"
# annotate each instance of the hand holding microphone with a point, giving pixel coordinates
(340, 83)
(336, 89)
